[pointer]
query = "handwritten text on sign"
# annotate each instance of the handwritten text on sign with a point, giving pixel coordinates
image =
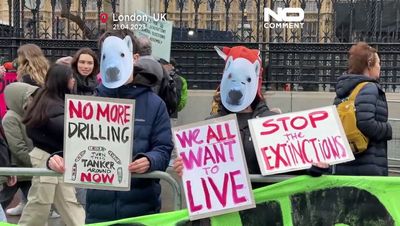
(215, 174)
(294, 141)
(159, 33)
(98, 142)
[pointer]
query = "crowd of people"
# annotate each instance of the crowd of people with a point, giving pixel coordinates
(34, 125)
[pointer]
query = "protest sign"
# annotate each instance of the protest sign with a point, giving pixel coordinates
(159, 31)
(215, 176)
(98, 139)
(294, 141)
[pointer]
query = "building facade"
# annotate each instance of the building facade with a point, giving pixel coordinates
(232, 15)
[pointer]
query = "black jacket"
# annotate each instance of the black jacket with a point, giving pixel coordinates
(50, 136)
(152, 139)
(261, 110)
(85, 85)
(372, 121)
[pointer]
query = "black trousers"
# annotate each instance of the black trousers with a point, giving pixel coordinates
(7, 194)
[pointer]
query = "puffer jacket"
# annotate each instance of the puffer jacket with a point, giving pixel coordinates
(152, 138)
(16, 97)
(372, 121)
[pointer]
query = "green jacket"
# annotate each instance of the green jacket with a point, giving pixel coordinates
(184, 94)
(16, 97)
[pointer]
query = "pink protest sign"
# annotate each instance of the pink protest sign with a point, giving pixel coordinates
(215, 176)
(9, 77)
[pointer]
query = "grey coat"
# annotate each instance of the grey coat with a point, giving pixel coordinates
(16, 97)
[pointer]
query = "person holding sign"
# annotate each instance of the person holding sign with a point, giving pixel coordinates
(371, 111)
(242, 95)
(44, 121)
(240, 92)
(152, 130)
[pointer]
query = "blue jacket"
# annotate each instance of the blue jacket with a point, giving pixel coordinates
(372, 121)
(153, 139)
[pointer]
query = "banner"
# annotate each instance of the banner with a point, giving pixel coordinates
(159, 31)
(215, 176)
(98, 139)
(303, 200)
(294, 141)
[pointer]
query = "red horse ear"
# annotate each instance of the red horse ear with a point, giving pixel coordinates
(226, 50)
(256, 52)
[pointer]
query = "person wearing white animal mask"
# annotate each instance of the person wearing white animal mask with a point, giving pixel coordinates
(240, 93)
(152, 146)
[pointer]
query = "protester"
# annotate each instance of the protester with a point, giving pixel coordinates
(180, 83)
(253, 105)
(44, 121)
(166, 87)
(240, 92)
(371, 111)
(152, 136)
(17, 96)
(86, 67)
(32, 65)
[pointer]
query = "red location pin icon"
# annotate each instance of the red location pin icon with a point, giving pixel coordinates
(103, 17)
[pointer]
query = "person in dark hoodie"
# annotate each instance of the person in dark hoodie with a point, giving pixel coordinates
(371, 111)
(166, 88)
(152, 136)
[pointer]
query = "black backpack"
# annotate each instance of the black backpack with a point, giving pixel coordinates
(5, 154)
(168, 93)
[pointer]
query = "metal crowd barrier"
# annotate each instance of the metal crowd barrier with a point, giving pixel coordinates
(269, 179)
(16, 171)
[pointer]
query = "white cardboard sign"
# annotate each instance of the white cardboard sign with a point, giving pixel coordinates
(293, 141)
(98, 139)
(215, 176)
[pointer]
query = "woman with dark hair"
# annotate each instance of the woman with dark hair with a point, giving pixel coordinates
(44, 121)
(85, 66)
(371, 111)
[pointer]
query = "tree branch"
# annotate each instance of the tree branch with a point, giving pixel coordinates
(66, 13)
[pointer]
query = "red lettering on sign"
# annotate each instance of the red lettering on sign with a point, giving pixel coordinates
(297, 122)
(97, 177)
(229, 189)
(188, 137)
